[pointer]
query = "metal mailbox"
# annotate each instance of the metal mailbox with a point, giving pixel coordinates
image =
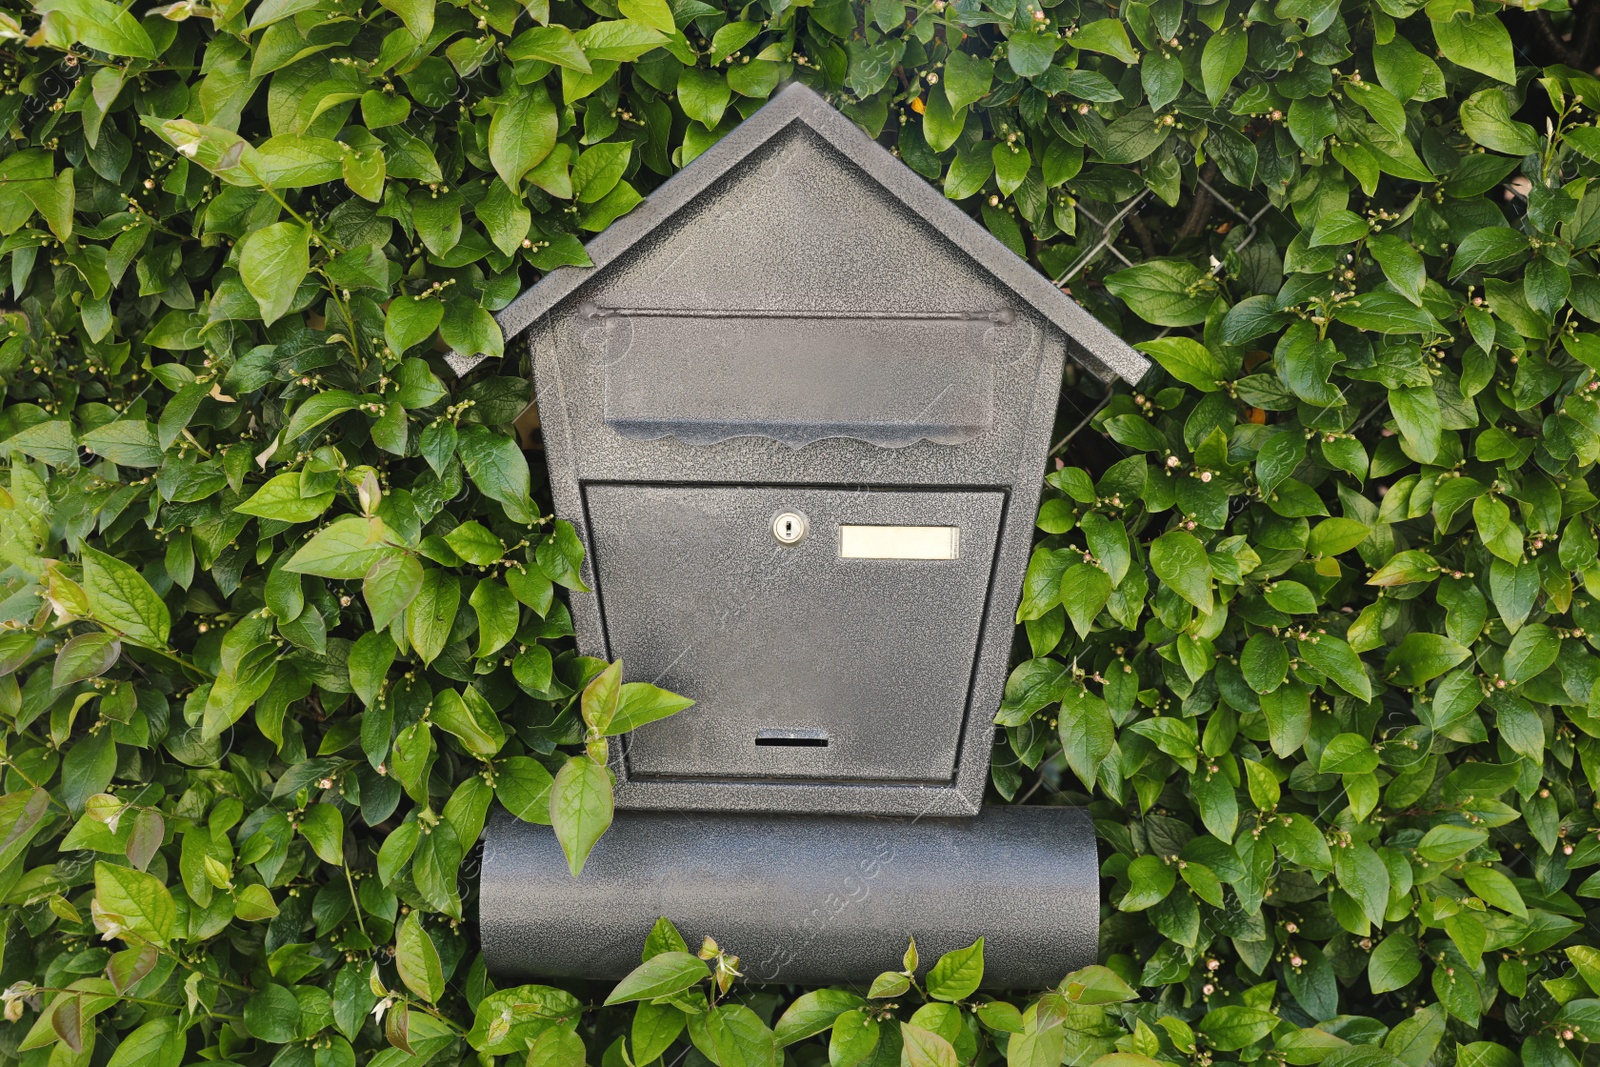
(798, 411)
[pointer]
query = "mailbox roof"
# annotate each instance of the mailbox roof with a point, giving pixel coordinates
(1089, 341)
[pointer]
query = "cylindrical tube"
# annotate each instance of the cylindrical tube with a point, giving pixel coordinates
(800, 899)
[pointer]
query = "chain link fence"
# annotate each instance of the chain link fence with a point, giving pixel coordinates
(1110, 227)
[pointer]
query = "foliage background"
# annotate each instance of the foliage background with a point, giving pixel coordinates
(1325, 670)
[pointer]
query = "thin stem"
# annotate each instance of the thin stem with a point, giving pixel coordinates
(92, 993)
(224, 982)
(267, 188)
(351, 882)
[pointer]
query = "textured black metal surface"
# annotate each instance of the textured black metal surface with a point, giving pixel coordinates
(697, 591)
(797, 310)
(1093, 345)
(799, 378)
(804, 900)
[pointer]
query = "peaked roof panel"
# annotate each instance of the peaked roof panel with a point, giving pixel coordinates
(1091, 343)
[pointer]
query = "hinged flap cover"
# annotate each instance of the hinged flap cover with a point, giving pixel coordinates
(891, 378)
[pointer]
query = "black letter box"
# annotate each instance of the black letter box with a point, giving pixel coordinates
(798, 411)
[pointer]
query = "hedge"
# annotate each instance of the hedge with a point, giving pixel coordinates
(1310, 627)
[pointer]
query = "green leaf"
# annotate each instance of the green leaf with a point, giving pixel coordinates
(703, 95)
(971, 168)
(1491, 246)
(1348, 754)
(432, 613)
(416, 14)
(854, 1037)
(471, 720)
(923, 1048)
(288, 497)
(273, 1014)
(1496, 889)
(655, 1028)
(390, 585)
(601, 697)
(1519, 725)
(1338, 228)
(498, 616)
(371, 656)
(599, 169)
(134, 902)
(417, 959)
(580, 808)
(1533, 649)
(1486, 118)
(1011, 164)
(1029, 53)
(521, 133)
(812, 1013)
(1363, 875)
(272, 262)
(1105, 35)
(1221, 61)
(410, 321)
(1188, 361)
(941, 123)
(1405, 568)
(557, 1047)
(663, 937)
(1162, 292)
(642, 703)
(731, 1035)
(347, 548)
(1149, 882)
(731, 38)
(560, 556)
(1264, 662)
(1233, 1026)
(1394, 964)
(957, 974)
(1085, 589)
(522, 786)
(507, 1020)
(499, 469)
(966, 78)
(552, 44)
(1180, 561)
(120, 598)
(1087, 733)
(316, 410)
(323, 827)
(1422, 657)
(83, 657)
(473, 542)
(660, 976)
(1480, 43)
(620, 40)
(1401, 263)
(1096, 984)
(49, 442)
(102, 26)
(1447, 842)
(157, 1043)
(125, 442)
(1335, 658)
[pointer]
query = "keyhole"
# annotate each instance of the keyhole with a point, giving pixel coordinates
(789, 528)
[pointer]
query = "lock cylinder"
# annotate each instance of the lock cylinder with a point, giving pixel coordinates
(790, 527)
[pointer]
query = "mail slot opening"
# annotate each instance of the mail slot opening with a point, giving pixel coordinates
(791, 739)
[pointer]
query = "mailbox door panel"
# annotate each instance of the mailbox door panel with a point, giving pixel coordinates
(845, 656)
